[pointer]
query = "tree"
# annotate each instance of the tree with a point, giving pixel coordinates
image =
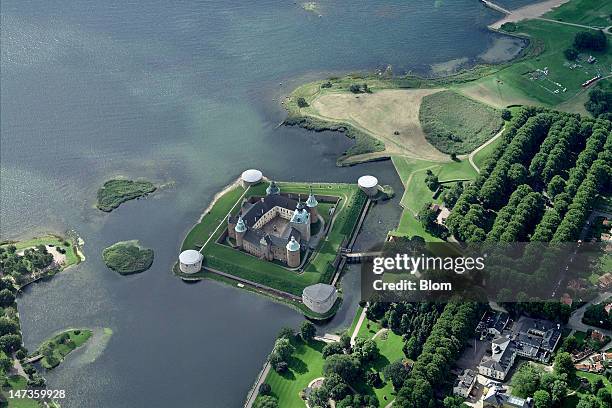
(506, 114)
(570, 53)
(454, 402)
(431, 180)
(283, 348)
(587, 40)
(563, 365)
(416, 393)
(6, 298)
(286, 332)
(332, 348)
(541, 399)
(555, 186)
(308, 331)
(266, 401)
(526, 381)
(600, 101)
(301, 102)
(365, 350)
(452, 194)
(265, 389)
(397, 373)
(5, 363)
(428, 216)
(344, 365)
(589, 401)
(10, 343)
(7, 326)
(318, 398)
(334, 387)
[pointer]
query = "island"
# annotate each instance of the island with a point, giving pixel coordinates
(117, 191)
(128, 257)
(282, 239)
(54, 350)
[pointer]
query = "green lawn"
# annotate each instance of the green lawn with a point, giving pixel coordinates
(595, 13)
(483, 155)
(454, 123)
(17, 382)
(513, 84)
(305, 365)
(412, 172)
(60, 349)
(318, 268)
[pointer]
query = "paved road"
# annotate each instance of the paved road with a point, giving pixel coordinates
(255, 390)
(605, 30)
(575, 320)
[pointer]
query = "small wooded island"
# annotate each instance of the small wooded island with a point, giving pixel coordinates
(128, 257)
(115, 192)
(55, 349)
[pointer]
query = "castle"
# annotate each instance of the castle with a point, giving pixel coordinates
(274, 227)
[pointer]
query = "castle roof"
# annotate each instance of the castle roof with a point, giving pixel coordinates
(293, 245)
(312, 201)
(272, 188)
(253, 212)
(240, 226)
(300, 216)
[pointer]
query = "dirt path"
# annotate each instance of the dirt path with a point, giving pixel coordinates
(527, 12)
(482, 146)
(390, 115)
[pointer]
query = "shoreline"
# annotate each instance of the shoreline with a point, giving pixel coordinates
(531, 11)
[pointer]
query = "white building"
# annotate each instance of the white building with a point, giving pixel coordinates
(319, 298)
(251, 177)
(369, 185)
(190, 261)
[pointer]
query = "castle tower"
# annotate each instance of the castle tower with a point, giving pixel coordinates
(300, 220)
(312, 203)
(240, 230)
(265, 248)
(231, 225)
(273, 188)
(293, 253)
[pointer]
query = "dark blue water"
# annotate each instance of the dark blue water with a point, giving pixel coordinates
(184, 93)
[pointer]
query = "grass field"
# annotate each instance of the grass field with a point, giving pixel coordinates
(318, 268)
(305, 365)
(412, 173)
(60, 349)
(454, 123)
(17, 382)
(594, 13)
(514, 84)
(391, 116)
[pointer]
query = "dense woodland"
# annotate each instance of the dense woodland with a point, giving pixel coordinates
(539, 185)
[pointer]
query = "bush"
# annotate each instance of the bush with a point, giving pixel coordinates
(506, 114)
(571, 54)
(509, 27)
(301, 102)
(265, 389)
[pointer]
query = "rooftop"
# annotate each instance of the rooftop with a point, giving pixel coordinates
(251, 176)
(367, 181)
(190, 256)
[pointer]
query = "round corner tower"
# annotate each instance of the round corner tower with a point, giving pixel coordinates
(312, 204)
(240, 230)
(293, 253)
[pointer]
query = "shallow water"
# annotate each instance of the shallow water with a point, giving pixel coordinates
(184, 93)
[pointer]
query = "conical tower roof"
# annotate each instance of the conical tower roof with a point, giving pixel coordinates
(240, 225)
(300, 204)
(312, 201)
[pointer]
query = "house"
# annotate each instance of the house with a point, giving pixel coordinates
(605, 281)
(500, 362)
(498, 397)
(493, 323)
(597, 336)
(533, 339)
(464, 384)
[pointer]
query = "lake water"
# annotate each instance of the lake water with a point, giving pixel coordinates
(184, 93)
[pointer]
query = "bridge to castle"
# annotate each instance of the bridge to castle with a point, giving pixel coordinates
(360, 257)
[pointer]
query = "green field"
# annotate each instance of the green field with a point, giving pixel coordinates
(514, 84)
(60, 345)
(229, 260)
(128, 257)
(305, 365)
(117, 191)
(454, 123)
(412, 173)
(17, 382)
(595, 13)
